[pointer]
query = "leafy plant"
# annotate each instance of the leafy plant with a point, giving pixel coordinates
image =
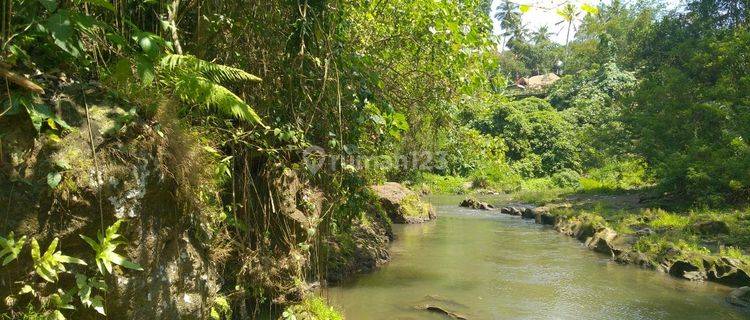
(10, 248)
(52, 262)
(197, 81)
(105, 250)
(86, 287)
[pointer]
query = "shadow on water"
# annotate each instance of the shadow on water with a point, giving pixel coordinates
(488, 266)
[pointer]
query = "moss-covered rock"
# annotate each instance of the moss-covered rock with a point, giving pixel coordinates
(402, 204)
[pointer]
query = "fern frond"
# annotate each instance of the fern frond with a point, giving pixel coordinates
(201, 91)
(212, 71)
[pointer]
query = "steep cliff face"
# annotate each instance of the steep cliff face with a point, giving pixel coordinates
(260, 236)
(108, 165)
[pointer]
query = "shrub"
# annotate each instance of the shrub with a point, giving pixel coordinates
(566, 178)
(540, 140)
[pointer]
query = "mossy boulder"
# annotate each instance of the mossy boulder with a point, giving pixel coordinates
(402, 204)
(729, 271)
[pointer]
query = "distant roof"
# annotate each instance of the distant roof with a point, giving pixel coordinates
(538, 82)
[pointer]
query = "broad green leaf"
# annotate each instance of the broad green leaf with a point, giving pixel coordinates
(11, 247)
(53, 179)
(69, 259)
(145, 69)
(60, 27)
(38, 113)
(35, 253)
(98, 304)
(91, 243)
(57, 315)
(27, 289)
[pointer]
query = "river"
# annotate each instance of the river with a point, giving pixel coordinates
(485, 265)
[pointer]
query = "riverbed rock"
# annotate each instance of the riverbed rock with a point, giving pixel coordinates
(688, 269)
(575, 228)
(601, 241)
(729, 271)
(472, 203)
(402, 204)
(442, 311)
(512, 210)
(635, 258)
(740, 297)
(528, 213)
(711, 227)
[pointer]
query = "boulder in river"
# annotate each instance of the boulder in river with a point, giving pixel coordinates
(402, 204)
(512, 210)
(740, 297)
(729, 271)
(472, 203)
(528, 213)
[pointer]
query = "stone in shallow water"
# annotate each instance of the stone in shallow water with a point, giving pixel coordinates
(740, 297)
(476, 204)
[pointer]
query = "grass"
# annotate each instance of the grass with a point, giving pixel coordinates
(429, 183)
(312, 308)
(672, 230)
(538, 197)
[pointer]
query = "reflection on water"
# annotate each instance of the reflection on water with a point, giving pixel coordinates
(488, 266)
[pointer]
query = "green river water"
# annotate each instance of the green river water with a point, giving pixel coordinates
(489, 266)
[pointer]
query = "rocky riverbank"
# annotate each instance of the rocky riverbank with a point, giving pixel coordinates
(596, 234)
(365, 247)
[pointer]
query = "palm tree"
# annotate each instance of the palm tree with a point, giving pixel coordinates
(542, 35)
(509, 15)
(568, 13)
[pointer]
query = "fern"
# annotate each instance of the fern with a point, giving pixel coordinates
(215, 72)
(197, 81)
(105, 250)
(52, 262)
(201, 91)
(10, 248)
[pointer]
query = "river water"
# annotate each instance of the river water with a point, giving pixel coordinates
(484, 265)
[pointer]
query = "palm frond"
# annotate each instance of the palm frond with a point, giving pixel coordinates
(201, 91)
(213, 71)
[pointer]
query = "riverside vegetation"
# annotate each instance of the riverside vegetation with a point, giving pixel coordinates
(152, 153)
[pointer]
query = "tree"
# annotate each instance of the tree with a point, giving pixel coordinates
(568, 13)
(510, 21)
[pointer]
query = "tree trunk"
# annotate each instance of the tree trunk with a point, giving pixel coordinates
(172, 16)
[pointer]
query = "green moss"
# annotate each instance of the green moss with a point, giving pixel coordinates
(413, 206)
(312, 308)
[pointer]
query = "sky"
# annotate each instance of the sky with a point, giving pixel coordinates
(538, 16)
